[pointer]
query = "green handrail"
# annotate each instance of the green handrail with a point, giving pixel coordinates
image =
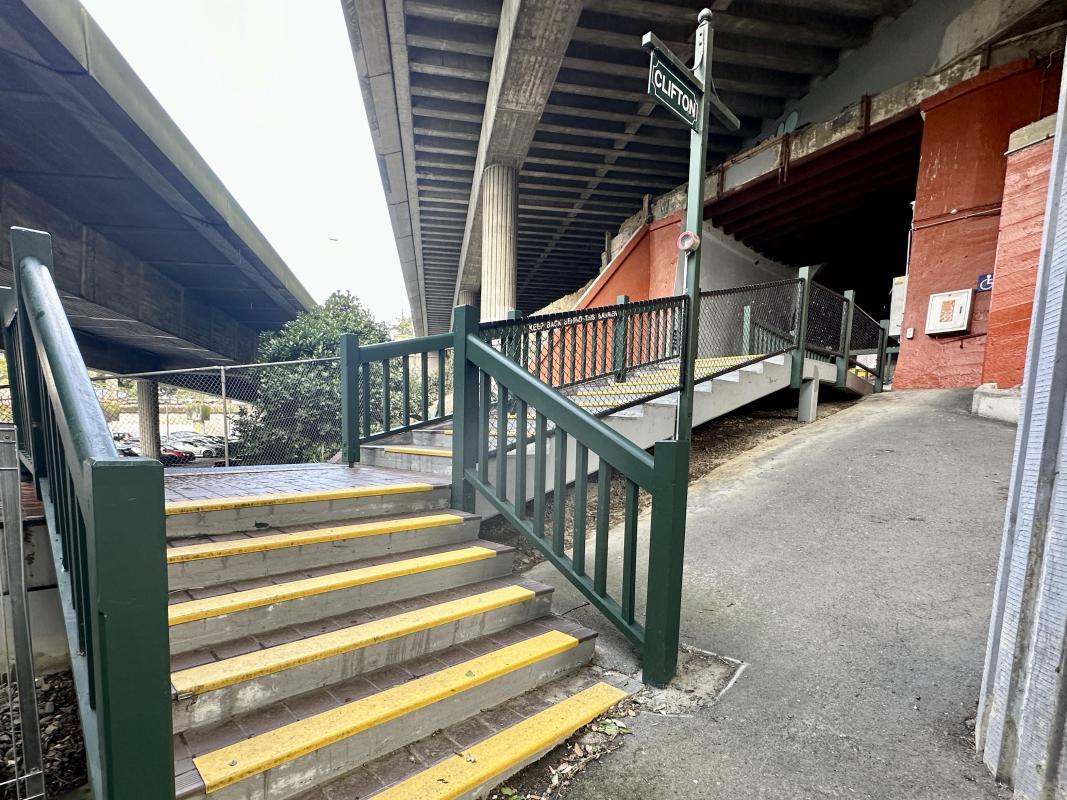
(107, 527)
(357, 362)
(477, 368)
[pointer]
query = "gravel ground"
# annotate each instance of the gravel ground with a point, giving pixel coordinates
(61, 737)
(714, 444)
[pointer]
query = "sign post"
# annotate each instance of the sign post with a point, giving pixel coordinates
(686, 94)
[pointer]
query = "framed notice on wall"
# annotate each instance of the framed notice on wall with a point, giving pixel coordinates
(949, 312)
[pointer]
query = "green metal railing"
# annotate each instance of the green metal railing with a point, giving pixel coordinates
(367, 380)
(596, 345)
(487, 384)
(832, 328)
(105, 518)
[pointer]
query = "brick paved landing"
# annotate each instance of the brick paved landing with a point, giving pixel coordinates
(203, 484)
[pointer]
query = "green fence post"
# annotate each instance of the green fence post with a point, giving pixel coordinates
(797, 375)
(844, 360)
(666, 553)
(127, 545)
(746, 330)
(620, 340)
(464, 408)
(513, 340)
(350, 398)
(880, 365)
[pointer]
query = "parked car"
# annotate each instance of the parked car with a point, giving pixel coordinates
(167, 456)
(200, 448)
(179, 456)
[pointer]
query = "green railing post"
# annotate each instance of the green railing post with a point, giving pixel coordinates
(746, 330)
(880, 365)
(844, 360)
(127, 556)
(350, 398)
(797, 375)
(666, 552)
(620, 335)
(514, 344)
(464, 408)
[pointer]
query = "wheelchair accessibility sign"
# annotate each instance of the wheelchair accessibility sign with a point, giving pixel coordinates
(985, 282)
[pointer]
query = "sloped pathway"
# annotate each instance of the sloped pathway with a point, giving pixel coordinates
(851, 566)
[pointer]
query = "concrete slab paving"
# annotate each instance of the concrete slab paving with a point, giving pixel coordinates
(850, 565)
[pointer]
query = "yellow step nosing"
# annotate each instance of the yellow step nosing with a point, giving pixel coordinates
(635, 391)
(223, 604)
(281, 498)
(244, 759)
(239, 669)
(418, 451)
(502, 754)
(259, 544)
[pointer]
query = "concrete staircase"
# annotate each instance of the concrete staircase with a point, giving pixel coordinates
(361, 642)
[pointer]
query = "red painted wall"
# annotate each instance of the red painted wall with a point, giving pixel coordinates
(663, 256)
(643, 270)
(1022, 222)
(626, 274)
(957, 212)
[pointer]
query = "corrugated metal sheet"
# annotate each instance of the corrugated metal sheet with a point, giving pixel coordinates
(1024, 705)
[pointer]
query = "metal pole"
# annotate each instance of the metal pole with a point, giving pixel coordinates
(843, 361)
(14, 558)
(694, 220)
(225, 420)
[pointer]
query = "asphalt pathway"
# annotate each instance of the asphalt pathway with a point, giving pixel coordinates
(850, 565)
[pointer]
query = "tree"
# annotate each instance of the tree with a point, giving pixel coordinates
(295, 411)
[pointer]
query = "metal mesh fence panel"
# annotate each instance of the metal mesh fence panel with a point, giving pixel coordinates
(605, 358)
(21, 770)
(746, 324)
(285, 413)
(826, 321)
(865, 340)
(253, 414)
(280, 413)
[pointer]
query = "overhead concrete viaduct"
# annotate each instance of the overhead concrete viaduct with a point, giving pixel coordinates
(157, 265)
(557, 92)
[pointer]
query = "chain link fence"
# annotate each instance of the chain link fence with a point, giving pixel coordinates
(746, 324)
(605, 358)
(864, 345)
(276, 413)
(826, 323)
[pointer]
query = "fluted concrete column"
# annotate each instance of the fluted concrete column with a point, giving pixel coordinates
(148, 417)
(500, 211)
(468, 297)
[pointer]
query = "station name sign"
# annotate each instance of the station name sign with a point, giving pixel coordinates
(673, 90)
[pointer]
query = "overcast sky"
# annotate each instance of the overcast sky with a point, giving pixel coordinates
(266, 91)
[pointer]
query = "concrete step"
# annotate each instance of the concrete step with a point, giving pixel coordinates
(466, 761)
(212, 685)
(433, 437)
(224, 515)
(291, 747)
(427, 460)
(206, 561)
(202, 617)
